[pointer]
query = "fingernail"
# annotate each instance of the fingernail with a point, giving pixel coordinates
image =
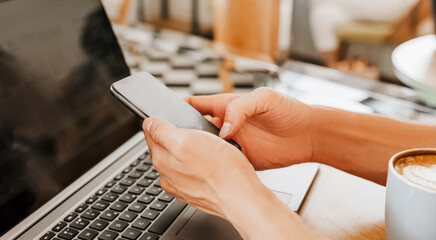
(225, 129)
(149, 125)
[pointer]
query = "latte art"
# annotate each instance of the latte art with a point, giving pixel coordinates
(420, 175)
(420, 170)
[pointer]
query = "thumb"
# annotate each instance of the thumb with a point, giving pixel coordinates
(161, 131)
(244, 107)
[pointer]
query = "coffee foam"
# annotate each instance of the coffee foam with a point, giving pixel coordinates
(420, 170)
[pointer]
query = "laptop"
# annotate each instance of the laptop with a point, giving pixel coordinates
(73, 161)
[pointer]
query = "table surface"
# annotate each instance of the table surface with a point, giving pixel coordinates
(343, 206)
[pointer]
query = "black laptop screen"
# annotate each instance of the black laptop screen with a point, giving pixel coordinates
(57, 119)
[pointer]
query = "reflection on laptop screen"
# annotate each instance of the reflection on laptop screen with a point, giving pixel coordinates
(57, 119)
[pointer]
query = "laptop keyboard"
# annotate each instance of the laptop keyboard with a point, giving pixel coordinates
(131, 206)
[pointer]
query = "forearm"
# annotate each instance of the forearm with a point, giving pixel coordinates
(362, 144)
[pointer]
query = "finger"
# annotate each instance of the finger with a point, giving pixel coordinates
(160, 131)
(160, 156)
(150, 143)
(218, 122)
(214, 105)
(244, 107)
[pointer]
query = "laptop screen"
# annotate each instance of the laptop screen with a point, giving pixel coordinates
(57, 118)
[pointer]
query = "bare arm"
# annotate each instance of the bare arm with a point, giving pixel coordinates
(362, 144)
(210, 174)
(273, 130)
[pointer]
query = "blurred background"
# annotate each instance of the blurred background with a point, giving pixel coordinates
(362, 34)
(363, 56)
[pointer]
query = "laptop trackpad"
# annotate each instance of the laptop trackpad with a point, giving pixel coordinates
(204, 226)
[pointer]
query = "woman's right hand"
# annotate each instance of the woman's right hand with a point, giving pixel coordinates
(273, 130)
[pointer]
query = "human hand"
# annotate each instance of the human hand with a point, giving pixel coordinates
(200, 168)
(272, 129)
(208, 173)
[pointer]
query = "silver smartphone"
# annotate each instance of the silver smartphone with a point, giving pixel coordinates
(146, 96)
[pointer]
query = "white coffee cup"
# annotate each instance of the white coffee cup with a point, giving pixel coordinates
(410, 208)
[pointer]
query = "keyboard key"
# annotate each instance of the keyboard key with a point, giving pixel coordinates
(166, 197)
(143, 156)
(118, 177)
(158, 205)
(136, 190)
(81, 208)
(167, 217)
(127, 198)
(154, 191)
(110, 184)
(145, 198)
(59, 226)
(101, 191)
(100, 205)
(68, 233)
(135, 175)
(127, 182)
(149, 236)
(88, 234)
(91, 200)
(141, 223)
(90, 214)
(118, 226)
(137, 207)
(143, 168)
(110, 197)
(109, 215)
(47, 236)
(127, 170)
(145, 182)
(79, 223)
(148, 161)
(151, 175)
(157, 183)
(128, 216)
(131, 234)
(98, 224)
(56, 239)
(108, 235)
(70, 217)
(150, 214)
(119, 189)
(119, 206)
(135, 163)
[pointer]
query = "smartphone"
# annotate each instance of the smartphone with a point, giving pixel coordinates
(146, 96)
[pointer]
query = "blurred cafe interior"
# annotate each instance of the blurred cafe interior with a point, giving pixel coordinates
(295, 46)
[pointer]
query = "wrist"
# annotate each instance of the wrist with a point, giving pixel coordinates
(318, 121)
(255, 211)
(241, 201)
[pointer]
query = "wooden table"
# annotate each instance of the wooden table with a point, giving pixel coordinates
(343, 206)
